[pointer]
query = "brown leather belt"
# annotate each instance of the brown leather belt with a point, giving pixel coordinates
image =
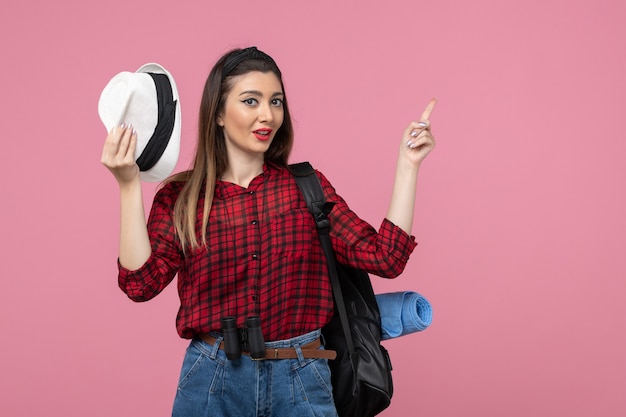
(309, 351)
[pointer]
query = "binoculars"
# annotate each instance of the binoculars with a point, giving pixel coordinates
(247, 339)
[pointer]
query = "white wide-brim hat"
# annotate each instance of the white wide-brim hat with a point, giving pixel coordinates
(147, 99)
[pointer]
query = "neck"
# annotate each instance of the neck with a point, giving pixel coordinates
(242, 173)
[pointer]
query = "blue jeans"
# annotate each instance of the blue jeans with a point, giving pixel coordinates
(212, 385)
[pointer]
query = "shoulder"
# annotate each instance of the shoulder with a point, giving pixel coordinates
(169, 190)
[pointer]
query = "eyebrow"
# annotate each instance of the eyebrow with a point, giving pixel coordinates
(258, 93)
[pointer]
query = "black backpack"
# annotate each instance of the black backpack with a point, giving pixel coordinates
(361, 373)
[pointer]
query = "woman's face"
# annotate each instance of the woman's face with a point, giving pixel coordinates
(253, 113)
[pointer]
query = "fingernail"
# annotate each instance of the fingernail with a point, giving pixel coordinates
(122, 126)
(134, 131)
(423, 124)
(414, 133)
(409, 143)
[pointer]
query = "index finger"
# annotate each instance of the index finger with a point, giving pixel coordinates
(429, 108)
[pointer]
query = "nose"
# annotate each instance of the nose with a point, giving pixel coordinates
(266, 113)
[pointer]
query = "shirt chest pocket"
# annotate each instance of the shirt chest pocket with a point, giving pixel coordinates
(292, 233)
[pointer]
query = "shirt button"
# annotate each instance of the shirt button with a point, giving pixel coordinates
(250, 192)
(254, 256)
(254, 222)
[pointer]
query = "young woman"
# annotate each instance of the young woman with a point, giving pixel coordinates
(237, 231)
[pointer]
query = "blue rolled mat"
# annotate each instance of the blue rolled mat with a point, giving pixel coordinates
(402, 313)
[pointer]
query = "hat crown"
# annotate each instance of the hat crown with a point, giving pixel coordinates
(129, 95)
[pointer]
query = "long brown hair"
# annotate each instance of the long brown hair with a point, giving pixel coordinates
(211, 157)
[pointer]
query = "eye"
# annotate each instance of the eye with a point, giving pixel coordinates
(249, 101)
(277, 102)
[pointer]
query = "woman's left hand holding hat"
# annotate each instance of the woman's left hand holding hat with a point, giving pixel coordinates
(118, 154)
(141, 112)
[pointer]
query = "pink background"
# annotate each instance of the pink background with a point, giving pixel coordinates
(520, 215)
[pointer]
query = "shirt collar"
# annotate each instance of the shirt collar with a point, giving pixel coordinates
(225, 190)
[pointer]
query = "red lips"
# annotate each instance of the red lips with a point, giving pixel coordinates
(262, 134)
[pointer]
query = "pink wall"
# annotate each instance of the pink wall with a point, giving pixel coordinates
(521, 207)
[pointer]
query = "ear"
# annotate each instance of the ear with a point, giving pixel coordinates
(220, 120)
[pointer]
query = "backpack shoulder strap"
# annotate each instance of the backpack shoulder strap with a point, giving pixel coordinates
(311, 189)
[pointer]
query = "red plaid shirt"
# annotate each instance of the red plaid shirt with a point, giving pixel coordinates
(263, 257)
